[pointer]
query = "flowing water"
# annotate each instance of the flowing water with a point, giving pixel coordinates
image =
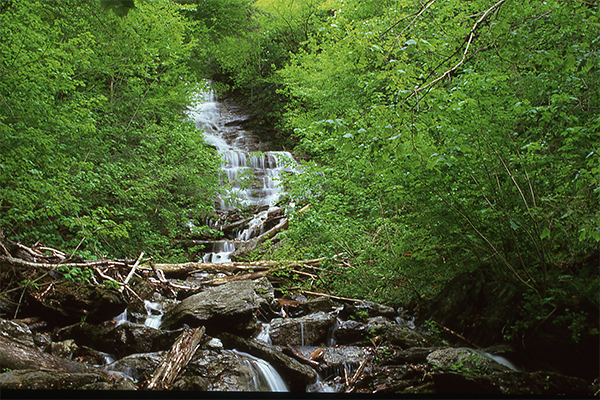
(263, 377)
(250, 169)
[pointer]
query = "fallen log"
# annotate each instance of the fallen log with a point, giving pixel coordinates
(84, 264)
(254, 275)
(290, 351)
(176, 359)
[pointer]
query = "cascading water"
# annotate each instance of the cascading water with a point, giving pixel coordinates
(263, 377)
(249, 167)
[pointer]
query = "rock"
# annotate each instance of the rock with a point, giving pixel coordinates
(228, 308)
(16, 355)
(405, 337)
(17, 332)
(70, 301)
(465, 361)
(29, 379)
(361, 311)
(397, 356)
(138, 367)
(511, 383)
(305, 331)
(124, 339)
(296, 375)
(336, 359)
(64, 349)
(228, 371)
(319, 304)
(191, 383)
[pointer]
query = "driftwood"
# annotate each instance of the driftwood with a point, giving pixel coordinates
(176, 359)
(290, 351)
(333, 297)
(254, 275)
(350, 382)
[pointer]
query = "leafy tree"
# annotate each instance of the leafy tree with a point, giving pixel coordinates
(96, 153)
(447, 135)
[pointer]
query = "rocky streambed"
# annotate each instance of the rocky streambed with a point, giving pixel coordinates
(88, 337)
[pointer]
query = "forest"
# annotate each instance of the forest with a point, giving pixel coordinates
(434, 137)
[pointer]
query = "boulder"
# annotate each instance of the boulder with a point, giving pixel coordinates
(296, 375)
(363, 310)
(124, 339)
(231, 307)
(72, 301)
(464, 361)
(405, 337)
(226, 371)
(16, 355)
(17, 332)
(138, 367)
(304, 331)
(29, 379)
(511, 383)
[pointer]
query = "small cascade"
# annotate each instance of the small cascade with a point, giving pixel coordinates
(263, 377)
(263, 335)
(330, 334)
(302, 334)
(249, 167)
(501, 360)
(121, 318)
(155, 314)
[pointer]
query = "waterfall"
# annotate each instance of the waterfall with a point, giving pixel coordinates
(248, 166)
(155, 314)
(263, 378)
(121, 318)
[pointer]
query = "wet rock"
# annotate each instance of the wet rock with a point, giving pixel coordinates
(29, 379)
(511, 383)
(43, 340)
(349, 332)
(361, 311)
(337, 359)
(71, 301)
(397, 356)
(123, 384)
(296, 375)
(319, 304)
(410, 379)
(228, 308)
(17, 332)
(191, 383)
(221, 371)
(305, 331)
(64, 349)
(124, 339)
(463, 360)
(138, 367)
(16, 355)
(405, 337)
(129, 338)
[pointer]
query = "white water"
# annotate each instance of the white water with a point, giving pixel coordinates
(501, 360)
(121, 318)
(264, 377)
(264, 334)
(248, 166)
(155, 313)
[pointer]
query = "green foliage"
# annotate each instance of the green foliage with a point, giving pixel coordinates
(446, 135)
(96, 152)
(76, 274)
